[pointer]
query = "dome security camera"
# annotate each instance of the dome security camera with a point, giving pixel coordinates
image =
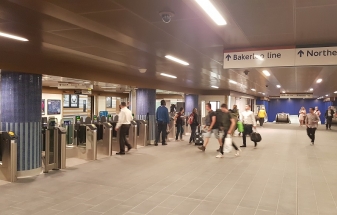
(166, 16)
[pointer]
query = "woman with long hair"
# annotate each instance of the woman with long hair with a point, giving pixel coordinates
(179, 121)
(302, 115)
(194, 123)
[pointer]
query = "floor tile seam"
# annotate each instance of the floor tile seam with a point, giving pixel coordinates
(326, 181)
(163, 188)
(264, 192)
(247, 189)
(242, 161)
(212, 189)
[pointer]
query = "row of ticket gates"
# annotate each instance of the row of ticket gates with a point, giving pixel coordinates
(84, 139)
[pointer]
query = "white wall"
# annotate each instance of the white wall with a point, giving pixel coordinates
(101, 103)
(47, 96)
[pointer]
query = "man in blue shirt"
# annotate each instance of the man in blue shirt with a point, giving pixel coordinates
(163, 120)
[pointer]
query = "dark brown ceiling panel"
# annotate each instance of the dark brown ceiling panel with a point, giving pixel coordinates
(315, 3)
(85, 6)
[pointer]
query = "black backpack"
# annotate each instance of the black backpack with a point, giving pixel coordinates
(219, 117)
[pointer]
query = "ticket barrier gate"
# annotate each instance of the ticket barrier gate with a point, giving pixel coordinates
(143, 133)
(54, 149)
(133, 134)
(172, 130)
(87, 143)
(8, 156)
(115, 138)
(105, 146)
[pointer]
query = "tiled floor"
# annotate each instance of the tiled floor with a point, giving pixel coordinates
(284, 176)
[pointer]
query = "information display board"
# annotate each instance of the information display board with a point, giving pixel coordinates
(53, 107)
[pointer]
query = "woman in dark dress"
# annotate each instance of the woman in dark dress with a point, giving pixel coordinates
(194, 124)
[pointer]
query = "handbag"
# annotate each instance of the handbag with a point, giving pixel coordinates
(255, 137)
(240, 126)
(228, 144)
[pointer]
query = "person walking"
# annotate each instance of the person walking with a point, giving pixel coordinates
(163, 120)
(302, 115)
(179, 121)
(235, 112)
(228, 127)
(194, 123)
(249, 122)
(262, 115)
(328, 117)
(124, 123)
(318, 113)
(311, 122)
(211, 127)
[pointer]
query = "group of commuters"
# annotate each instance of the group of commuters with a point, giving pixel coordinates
(329, 113)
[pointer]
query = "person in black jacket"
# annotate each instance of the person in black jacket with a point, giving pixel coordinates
(328, 116)
(194, 124)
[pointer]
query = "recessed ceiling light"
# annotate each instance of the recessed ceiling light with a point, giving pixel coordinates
(209, 8)
(266, 72)
(263, 93)
(335, 92)
(283, 91)
(108, 87)
(13, 37)
(177, 60)
(326, 95)
(319, 80)
(253, 90)
(233, 82)
(167, 75)
(311, 89)
(278, 86)
(215, 87)
(87, 82)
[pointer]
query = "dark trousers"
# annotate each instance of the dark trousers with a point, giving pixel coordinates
(248, 130)
(193, 132)
(161, 129)
(261, 120)
(311, 133)
(328, 121)
(122, 138)
(180, 130)
(223, 142)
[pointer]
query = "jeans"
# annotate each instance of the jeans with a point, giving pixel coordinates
(180, 131)
(311, 133)
(261, 120)
(122, 138)
(248, 130)
(193, 132)
(223, 142)
(328, 122)
(161, 129)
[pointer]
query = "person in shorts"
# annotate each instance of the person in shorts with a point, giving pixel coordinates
(211, 127)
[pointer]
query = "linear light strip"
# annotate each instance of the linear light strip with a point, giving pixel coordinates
(211, 11)
(177, 60)
(167, 75)
(2, 34)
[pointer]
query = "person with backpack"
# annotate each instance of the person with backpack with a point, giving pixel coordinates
(228, 127)
(194, 123)
(179, 121)
(262, 115)
(212, 126)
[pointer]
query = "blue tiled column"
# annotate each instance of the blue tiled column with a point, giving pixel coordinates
(146, 105)
(191, 101)
(20, 99)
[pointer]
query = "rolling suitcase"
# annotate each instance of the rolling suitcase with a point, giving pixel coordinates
(199, 141)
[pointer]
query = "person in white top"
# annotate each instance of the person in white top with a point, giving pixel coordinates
(124, 122)
(301, 115)
(248, 119)
(311, 122)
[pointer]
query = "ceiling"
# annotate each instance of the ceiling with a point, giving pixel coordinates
(110, 40)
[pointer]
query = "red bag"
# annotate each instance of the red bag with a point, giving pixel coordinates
(191, 119)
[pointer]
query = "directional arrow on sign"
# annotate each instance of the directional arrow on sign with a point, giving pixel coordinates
(228, 57)
(300, 53)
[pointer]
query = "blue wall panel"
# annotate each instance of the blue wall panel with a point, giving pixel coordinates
(146, 101)
(292, 106)
(191, 101)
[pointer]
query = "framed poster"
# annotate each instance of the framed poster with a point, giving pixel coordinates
(53, 107)
(108, 102)
(66, 100)
(74, 101)
(42, 107)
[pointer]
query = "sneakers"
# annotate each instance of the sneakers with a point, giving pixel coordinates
(243, 146)
(237, 153)
(202, 148)
(219, 155)
(312, 143)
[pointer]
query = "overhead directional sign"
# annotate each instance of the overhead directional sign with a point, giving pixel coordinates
(281, 58)
(316, 56)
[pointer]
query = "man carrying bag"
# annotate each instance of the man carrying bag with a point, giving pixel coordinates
(228, 126)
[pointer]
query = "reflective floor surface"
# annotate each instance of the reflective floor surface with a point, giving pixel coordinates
(285, 175)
